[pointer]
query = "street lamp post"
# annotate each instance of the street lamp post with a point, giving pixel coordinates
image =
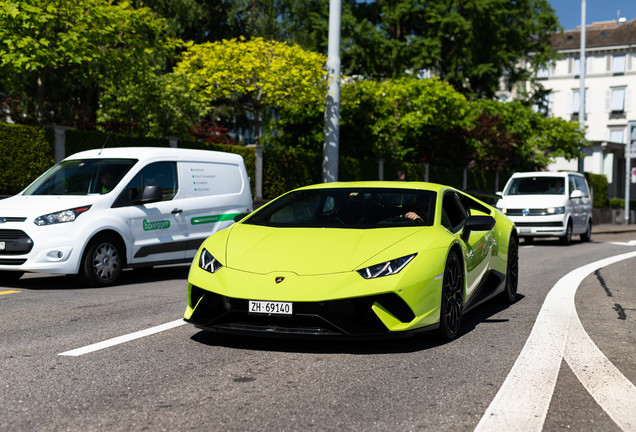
(332, 100)
(581, 165)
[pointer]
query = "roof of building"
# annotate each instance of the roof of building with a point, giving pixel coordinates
(597, 35)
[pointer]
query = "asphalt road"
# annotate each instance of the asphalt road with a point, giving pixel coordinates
(184, 379)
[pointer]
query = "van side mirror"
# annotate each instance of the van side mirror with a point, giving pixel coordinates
(152, 193)
(576, 194)
(477, 223)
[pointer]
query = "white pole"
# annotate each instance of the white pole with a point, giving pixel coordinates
(628, 172)
(581, 165)
(332, 100)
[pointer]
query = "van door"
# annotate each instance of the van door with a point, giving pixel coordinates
(211, 193)
(584, 203)
(158, 229)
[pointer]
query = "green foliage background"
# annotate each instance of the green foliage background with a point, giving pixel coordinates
(25, 153)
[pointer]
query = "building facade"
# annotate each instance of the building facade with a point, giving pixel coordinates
(610, 97)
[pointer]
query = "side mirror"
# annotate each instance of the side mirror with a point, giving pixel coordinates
(499, 194)
(576, 194)
(240, 216)
(152, 193)
(477, 223)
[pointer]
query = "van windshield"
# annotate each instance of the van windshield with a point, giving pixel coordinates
(81, 177)
(536, 186)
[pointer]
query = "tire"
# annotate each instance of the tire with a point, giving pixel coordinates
(509, 295)
(452, 298)
(102, 262)
(10, 276)
(587, 235)
(566, 240)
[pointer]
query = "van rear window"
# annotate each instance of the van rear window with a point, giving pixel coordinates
(81, 177)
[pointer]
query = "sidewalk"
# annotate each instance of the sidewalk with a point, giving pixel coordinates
(613, 228)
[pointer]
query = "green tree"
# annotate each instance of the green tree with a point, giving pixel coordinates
(60, 53)
(520, 138)
(253, 74)
(470, 44)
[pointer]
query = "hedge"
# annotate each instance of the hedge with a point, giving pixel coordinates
(25, 153)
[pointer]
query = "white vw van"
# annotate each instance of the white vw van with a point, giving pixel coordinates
(99, 211)
(548, 204)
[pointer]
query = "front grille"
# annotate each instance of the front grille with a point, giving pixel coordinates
(11, 219)
(530, 212)
(328, 318)
(12, 261)
(14, 242)
(539, 224)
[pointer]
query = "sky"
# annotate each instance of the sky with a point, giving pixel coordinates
(569, 11)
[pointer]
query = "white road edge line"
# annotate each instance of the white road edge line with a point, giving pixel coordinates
(122, 339)
(522, 402)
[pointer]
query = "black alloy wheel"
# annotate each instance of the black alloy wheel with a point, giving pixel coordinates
(452, 298)
(512, 272)
(102, 262)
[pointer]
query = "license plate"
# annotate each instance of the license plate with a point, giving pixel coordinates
(525, 230)
(270, 307)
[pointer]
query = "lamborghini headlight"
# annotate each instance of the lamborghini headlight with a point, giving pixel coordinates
(208, 263)
(386, 268)
(60, 217)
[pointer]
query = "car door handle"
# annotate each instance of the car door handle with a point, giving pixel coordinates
(177, 211)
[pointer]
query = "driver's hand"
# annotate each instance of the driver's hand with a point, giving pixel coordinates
(412, 215)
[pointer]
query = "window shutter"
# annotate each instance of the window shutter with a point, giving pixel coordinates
(576, 101)
(619, 64)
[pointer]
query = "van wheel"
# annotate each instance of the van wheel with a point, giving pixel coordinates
(567, 238)
(587, 235)
(102, 262)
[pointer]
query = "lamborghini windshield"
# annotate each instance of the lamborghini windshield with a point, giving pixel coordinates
(81, 177)
(348, 208)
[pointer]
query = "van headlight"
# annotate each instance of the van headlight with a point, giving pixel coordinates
(208, 263)
(555, 210)
(60, 217)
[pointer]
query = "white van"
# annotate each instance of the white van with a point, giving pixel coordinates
(548, 204)
(99, 211)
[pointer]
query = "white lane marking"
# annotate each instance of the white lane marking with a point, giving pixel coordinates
(607, 385)
(122, 339)
(522, 402)
(629, 243)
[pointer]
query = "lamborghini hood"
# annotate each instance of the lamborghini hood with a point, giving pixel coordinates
(311, 251)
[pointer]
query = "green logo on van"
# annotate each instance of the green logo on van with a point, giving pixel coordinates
(149, 226)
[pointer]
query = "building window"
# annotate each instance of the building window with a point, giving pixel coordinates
(543, 106)
(543, 73)
(617, 102)
(616, 136)
(618, 65)
(576, 101)
(577, 67)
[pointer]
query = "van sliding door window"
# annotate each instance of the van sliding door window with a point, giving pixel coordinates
(162, 174)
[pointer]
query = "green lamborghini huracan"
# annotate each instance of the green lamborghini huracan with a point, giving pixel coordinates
(364, 259)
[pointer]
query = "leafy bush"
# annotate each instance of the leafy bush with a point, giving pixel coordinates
(598, 183)
(25, 153)
(80, 140)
